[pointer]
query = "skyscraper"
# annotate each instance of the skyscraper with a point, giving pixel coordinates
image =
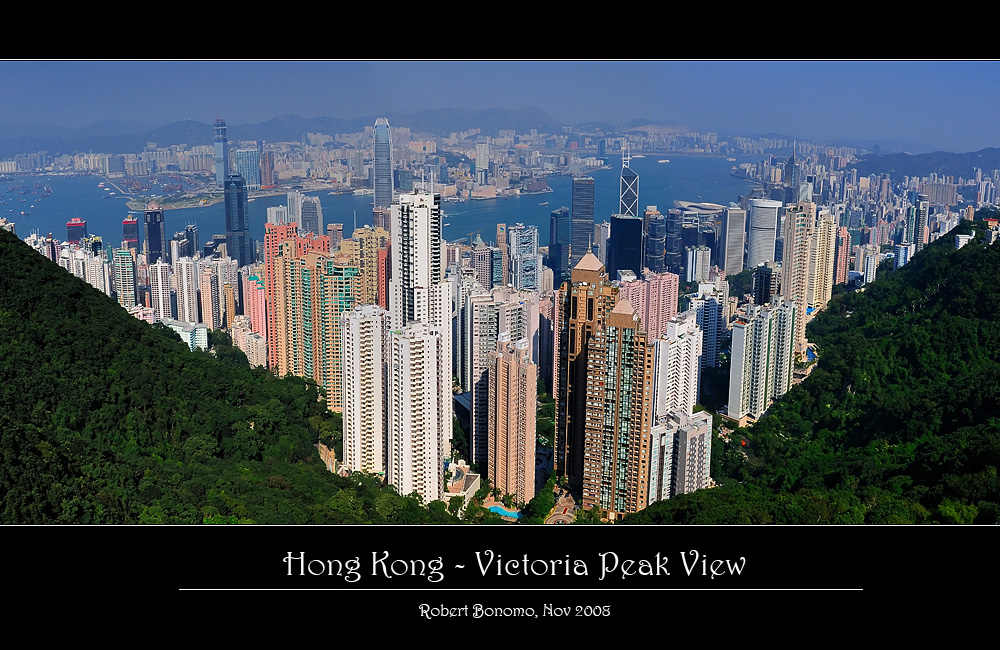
(311, 292)
(123, 260)
(221, 152)
(821, 268)
(629, 204)
(366, 367)
(560, 238)
(159, 288)
(920, 226)
(513, 385)
(76, 230)
(525, 260)
(731, 240)
(763, 231)
(416, 410)
(185, 271)
(618, 415)
(625, 245)
(247, 163)
(311, 217)
(130, 232)
(654, 299)
(800, 224)
(582, 215)
(654, 239)
(419, 293)
(383, 165)
(762, 356)
(238, 243)
(677, 366)
(155, 244)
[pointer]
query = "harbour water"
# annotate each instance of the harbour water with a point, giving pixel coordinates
(684, 178)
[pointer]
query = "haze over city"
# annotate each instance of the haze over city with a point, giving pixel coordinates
(922, 104)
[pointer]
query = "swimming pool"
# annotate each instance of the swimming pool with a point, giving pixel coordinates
(505, 513)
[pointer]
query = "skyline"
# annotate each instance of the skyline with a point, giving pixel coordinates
(945, 105)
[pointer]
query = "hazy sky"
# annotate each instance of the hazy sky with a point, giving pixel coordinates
(949, 104)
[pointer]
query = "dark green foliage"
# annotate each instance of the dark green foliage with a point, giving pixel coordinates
(105, 419)
(900, 421)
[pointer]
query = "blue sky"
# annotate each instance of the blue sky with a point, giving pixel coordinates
(949, 104)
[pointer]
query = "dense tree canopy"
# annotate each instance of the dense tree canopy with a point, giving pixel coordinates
(106, 419)
(900, 421)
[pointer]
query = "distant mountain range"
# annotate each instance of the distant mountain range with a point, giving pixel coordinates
(130, 137)
(942, 163)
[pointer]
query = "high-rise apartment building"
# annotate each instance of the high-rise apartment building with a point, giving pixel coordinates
(824, 257)
(513, 386)
(763, 231)
(920, 234)
(763, 352)
(709, 306)
(582, 215)
(123, 261)
(603, 383)
(699, 263)
(843, 255)
(311, 293)
(419, 293)
(186, 273)
(680, 454)
(654, 299)
(159, 289)
(800, 224)
(382, 163)
(239, 246)
(677, 366)
(363, 249)
(221, 153)
(211, 304)
(416, 410)
(366, 366)
(581, 304)
(617, 415)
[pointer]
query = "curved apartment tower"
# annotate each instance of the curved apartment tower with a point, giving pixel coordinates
(763, 231)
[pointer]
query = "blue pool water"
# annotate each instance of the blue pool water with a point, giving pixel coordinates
(505, 513)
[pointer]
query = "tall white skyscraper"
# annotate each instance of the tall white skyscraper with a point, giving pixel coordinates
(763, 231)
(365, 349)
(677, 366)
(159, 288)
(415, 410)
(762, 357)
(187, 290)
(419, 294)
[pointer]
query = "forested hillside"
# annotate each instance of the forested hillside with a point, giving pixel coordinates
(106, 419)
(900, 421)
